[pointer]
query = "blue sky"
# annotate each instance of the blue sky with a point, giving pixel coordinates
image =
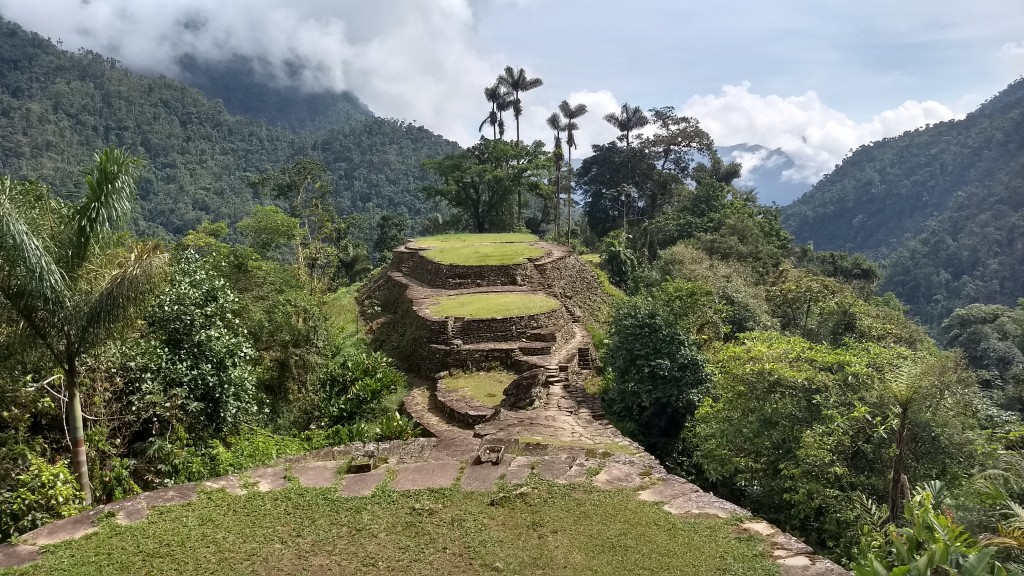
(815, 78)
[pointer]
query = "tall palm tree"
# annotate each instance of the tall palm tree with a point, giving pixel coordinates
(571, 114)
(517, 82)
(558, 156)
(628, 120)
(500, 101)
(66, 278)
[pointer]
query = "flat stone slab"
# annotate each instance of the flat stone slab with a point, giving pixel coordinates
(14, 555)
(580, 470)
(362, 484)
(231, 483)
(809, 566)
(317, 474)
(702, 504)
(129, 510)
(268, 479)
(171, 495)
(790, 544)
(520, 469)
(617, 475)
(668, 490)
(426, 475)
(66, 529)
(759, 528)
(482, 477)
(555, 467)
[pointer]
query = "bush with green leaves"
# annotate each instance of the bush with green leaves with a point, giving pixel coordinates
(798, 432)
(658, 376)
(193, 365)
(355, 387)
(40, 494)
(927, 541)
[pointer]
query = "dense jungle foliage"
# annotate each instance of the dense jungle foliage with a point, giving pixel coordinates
(175, 362)
(57, 107)
(942, 205)
(767, 371)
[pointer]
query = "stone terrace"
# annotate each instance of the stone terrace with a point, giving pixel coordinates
(439, 463)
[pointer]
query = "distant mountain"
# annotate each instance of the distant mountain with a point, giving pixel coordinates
(944, 205)
(245, 91)
(764, 169)
(57, 108)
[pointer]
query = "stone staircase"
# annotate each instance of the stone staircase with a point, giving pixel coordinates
(584, 359)
(455, 331)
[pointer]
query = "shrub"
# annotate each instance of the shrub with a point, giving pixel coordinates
(42, 493)
(354, 388)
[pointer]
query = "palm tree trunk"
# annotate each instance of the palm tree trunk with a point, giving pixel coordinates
(568, 201)
(76, 432)
(558, 191)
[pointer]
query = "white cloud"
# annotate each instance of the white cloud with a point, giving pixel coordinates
(816, 136)
(1013, 54)
(406, 58)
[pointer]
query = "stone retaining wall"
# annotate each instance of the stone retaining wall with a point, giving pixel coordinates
(476, 330)
(457, 276)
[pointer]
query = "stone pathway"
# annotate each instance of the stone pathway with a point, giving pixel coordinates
(442, 463)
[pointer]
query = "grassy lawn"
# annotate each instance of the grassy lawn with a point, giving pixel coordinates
(484, 254)
(456, 239)
(487, 388)
(492, 305)
(551, 530)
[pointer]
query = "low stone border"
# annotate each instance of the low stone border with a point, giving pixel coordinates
(458, 406)
(438, 463)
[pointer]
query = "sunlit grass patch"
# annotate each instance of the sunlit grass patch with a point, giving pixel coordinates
(549, 529)
(484, 254)
(491, 305)
(487, 388)
(457, 239)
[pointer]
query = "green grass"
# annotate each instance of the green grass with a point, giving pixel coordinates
(551, 529)
(456, 239)
(484, 254)
(487, 388)
(594, 259)
(491, 305)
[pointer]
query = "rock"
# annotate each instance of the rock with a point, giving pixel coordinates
(759, 528)
(317, 474)
(702, 504)
(491, 454)
(617, 475)
(67, 529)
(672, 488)
(527, 391)
(520, 469)
(171, 495)
(482, 477)
(231, 483)
(267, 479)
(362, 484)
(426, 475)
(14, 555)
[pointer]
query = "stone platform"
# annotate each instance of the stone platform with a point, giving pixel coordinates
(430, 463)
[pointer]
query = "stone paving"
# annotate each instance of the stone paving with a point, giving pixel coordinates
(441, 463)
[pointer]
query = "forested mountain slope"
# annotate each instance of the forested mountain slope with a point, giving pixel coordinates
(246, 92)
(56, 108)
(944, 205)
(885, 192)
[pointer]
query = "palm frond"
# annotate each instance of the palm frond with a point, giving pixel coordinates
(110, 182)
(30, 279)
(555, 123)
(572, 112)
(123, 293)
